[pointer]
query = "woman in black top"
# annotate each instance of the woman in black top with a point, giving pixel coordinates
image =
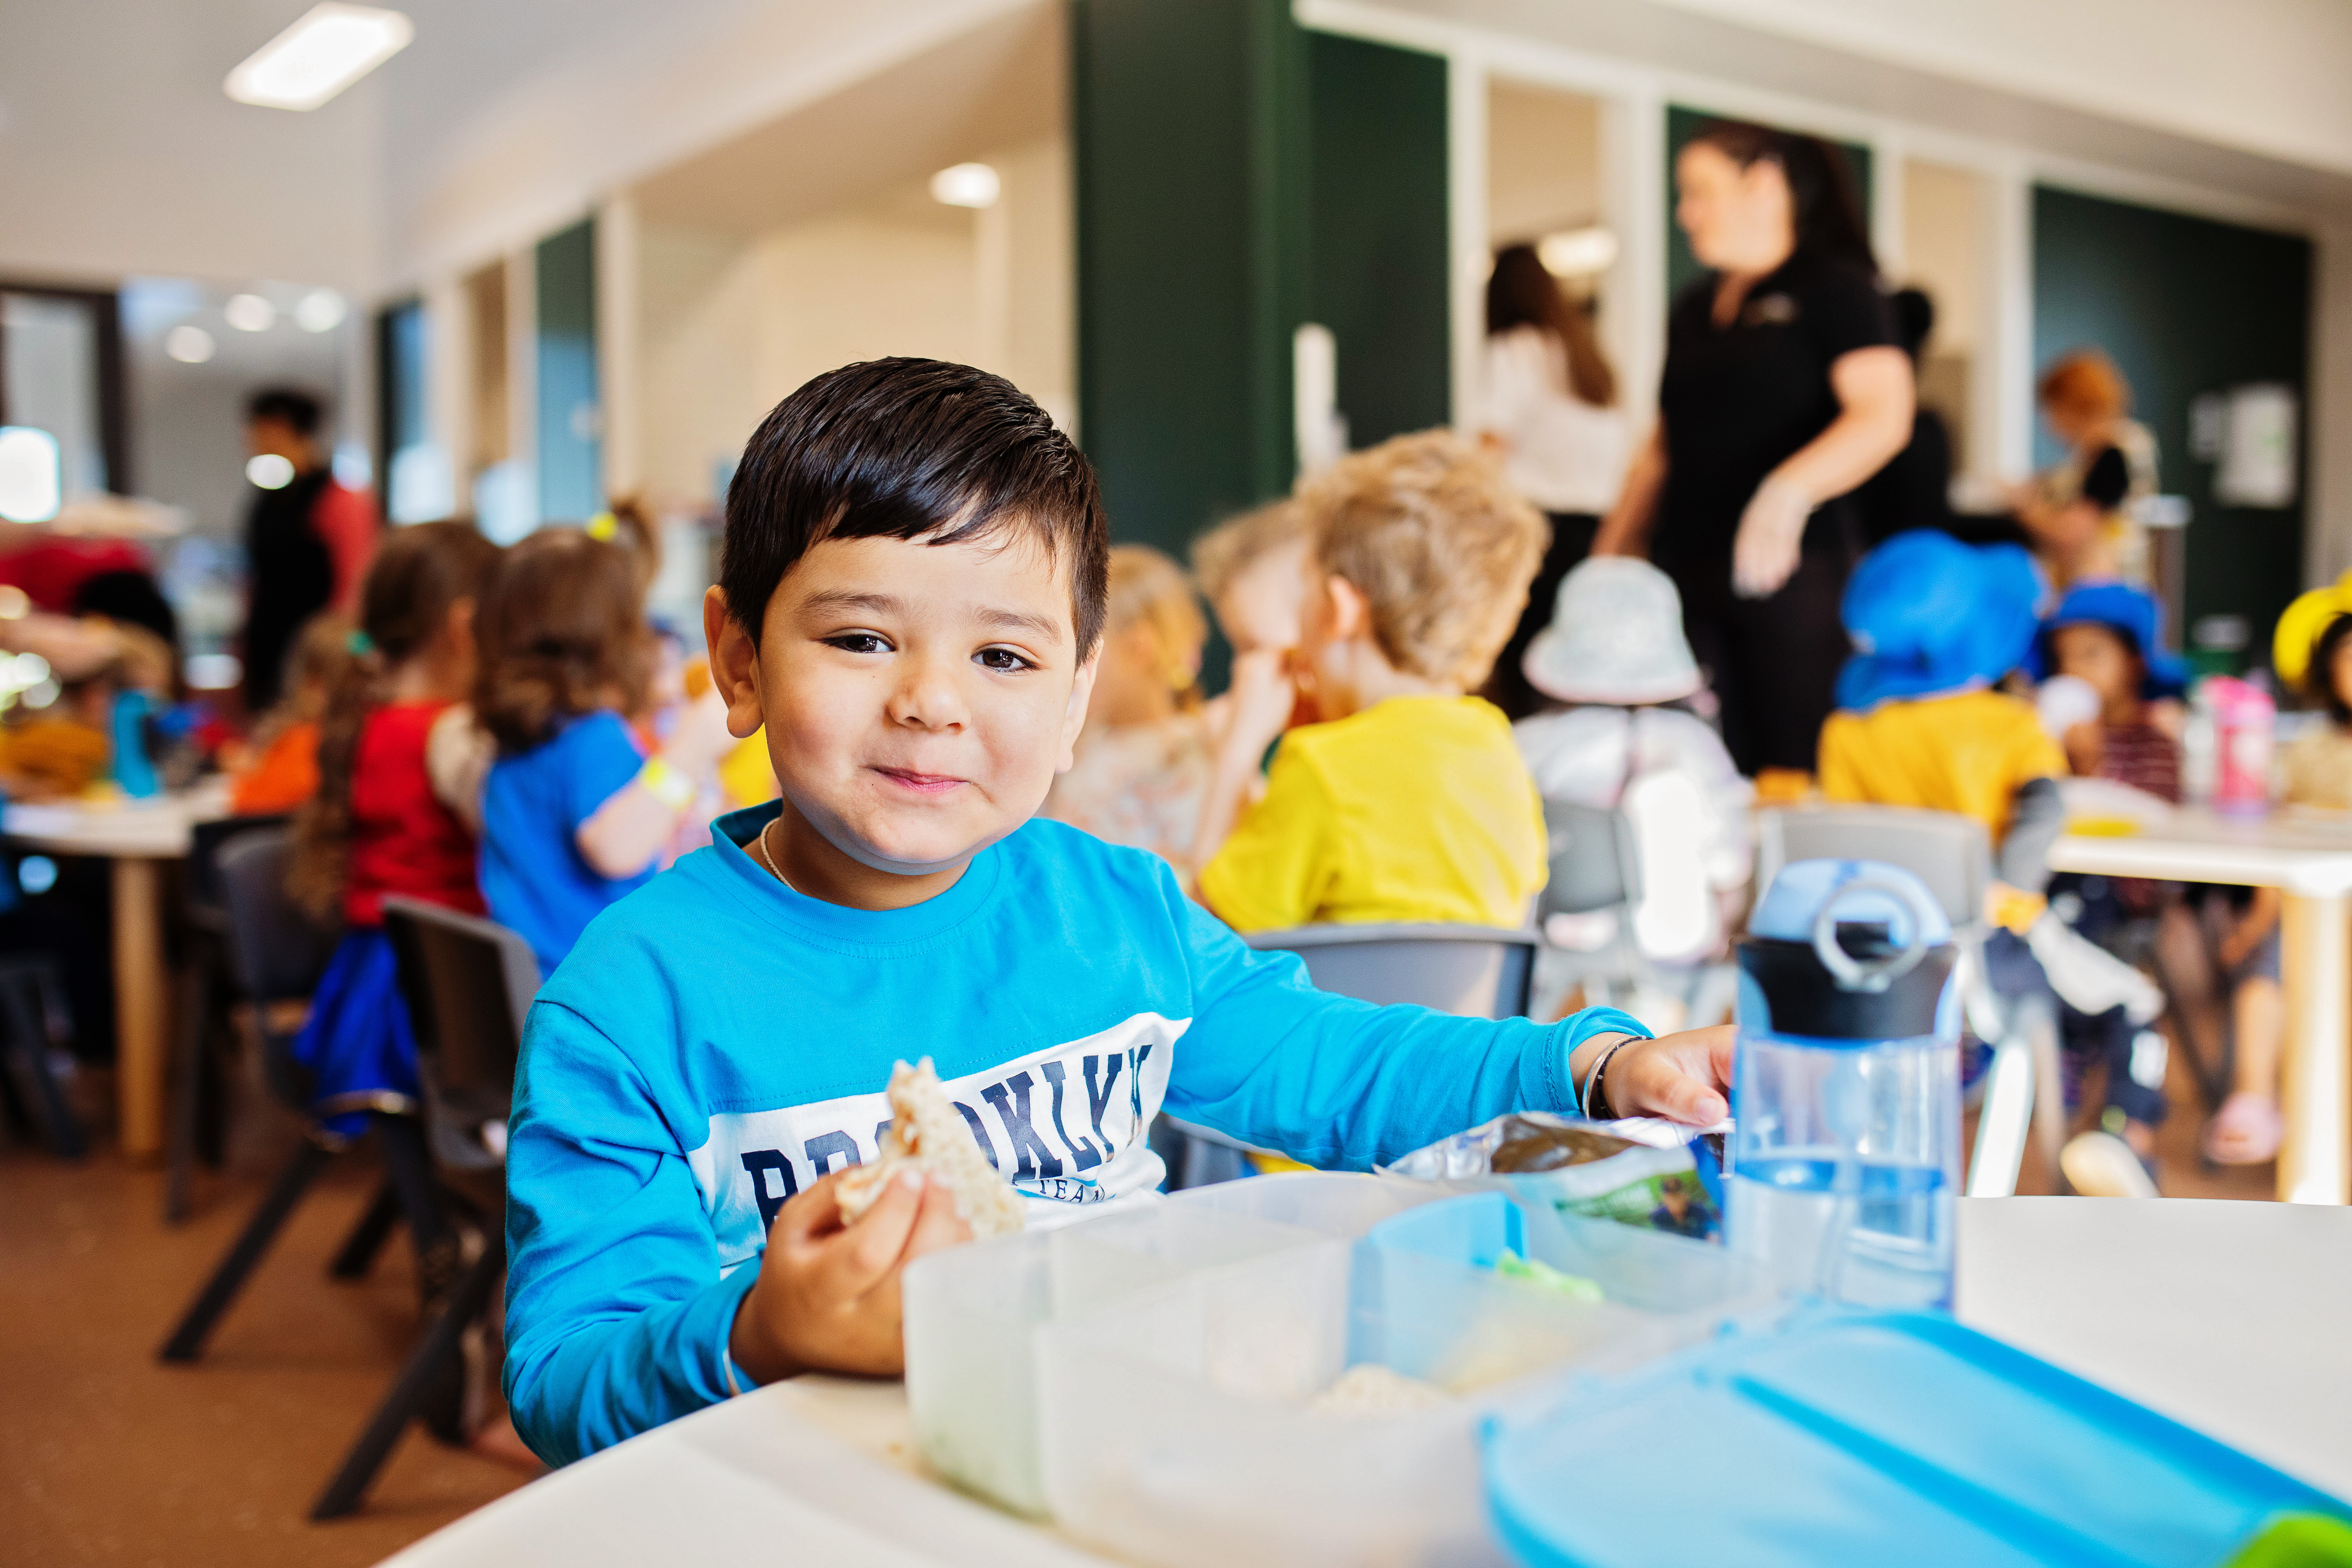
(1783, 390)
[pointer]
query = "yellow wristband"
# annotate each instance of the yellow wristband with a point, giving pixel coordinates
(667, 784)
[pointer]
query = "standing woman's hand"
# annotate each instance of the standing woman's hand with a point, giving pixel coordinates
(1771, 536)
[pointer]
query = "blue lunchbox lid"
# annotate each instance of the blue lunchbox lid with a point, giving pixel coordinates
(1843, 1437)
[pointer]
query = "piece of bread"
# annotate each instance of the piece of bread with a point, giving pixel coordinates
(928, 1132)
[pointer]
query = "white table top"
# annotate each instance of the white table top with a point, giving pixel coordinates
(156, 829)
(2223, 1315)
(2307, 855)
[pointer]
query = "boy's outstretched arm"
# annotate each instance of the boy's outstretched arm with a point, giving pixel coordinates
(1343, 1084)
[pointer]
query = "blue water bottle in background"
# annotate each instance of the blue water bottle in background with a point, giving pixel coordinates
(134, 770)
(1846, 1096)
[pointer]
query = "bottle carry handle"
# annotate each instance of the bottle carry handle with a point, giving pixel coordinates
(1872, 974)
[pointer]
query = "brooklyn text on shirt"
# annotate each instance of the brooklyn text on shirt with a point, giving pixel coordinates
(1065, 1123)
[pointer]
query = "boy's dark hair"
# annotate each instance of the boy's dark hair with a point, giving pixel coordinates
(914, 450)
(561, 632)
(290, 406)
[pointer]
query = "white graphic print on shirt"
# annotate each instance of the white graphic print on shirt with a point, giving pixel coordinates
(1065, 1123)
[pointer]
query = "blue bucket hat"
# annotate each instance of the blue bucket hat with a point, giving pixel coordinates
(2131, 612)
(1929, 614)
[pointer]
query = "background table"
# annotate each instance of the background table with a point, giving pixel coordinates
(135, 837)
(2223, 1315)
(2310, 862)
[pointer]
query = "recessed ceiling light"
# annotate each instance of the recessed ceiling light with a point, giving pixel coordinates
(330, 46)
(250, 313)
(320, 311)
(189, 345)
(1578, 252)
(31, 481)
(967, 185)
(269, 471)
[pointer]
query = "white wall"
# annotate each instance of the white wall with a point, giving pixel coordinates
(2266, 76)
(728, 325)
(120, 155)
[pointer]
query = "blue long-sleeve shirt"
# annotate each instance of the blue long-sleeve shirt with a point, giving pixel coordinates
(716, 1042)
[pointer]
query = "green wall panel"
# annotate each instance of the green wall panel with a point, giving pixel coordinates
(1682, 268)
(1182, 163)
(1379, 240)
(570, 444)
(2184, 306)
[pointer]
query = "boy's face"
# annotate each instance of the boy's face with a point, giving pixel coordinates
(2094, 654)
(1261, 608)
(919, 701)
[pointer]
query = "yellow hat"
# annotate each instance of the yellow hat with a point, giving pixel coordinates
(2300, 626)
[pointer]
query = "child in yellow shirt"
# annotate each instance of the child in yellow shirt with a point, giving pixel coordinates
(1936, 624)
(1408, 800)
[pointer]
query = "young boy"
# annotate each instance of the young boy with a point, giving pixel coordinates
(910, 602)
(1408, 800)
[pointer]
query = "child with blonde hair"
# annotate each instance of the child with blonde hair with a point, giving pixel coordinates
(1407, 800)
(282, 770)
(1143, 759)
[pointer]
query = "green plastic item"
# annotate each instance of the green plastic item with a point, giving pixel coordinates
(2297, 1541)
(1575, 1287)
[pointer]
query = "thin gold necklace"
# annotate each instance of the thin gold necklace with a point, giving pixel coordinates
(760, 844)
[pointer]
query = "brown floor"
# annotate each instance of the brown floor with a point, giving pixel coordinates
(107, 1456)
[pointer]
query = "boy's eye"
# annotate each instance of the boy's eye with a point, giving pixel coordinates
(1001, 659)
(859, 642)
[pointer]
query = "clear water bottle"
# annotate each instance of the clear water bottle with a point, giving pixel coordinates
(1846, 1154)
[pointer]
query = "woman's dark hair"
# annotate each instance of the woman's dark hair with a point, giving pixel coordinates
(2322, 678)
(290, 406)
(562, 632)
(1826, 209)
(419, 575)
(914, 450)
(1522, 292)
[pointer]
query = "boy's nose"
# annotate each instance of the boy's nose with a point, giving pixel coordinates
(928, 696)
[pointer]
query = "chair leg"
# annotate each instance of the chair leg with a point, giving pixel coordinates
(187, 1341)
(2041, 1029)
(187, 1088)
(367, 1238)
(408, 1172)
(24, 1041)
(2002, 1121)
(424, 1365)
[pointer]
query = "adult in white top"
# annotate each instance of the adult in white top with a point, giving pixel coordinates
(1549, 411)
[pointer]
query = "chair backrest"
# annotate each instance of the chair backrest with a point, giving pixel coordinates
(277, 948)
(205, 898)
(1594, 864)
(1478, 972)
(468, 983)
(1948, 852)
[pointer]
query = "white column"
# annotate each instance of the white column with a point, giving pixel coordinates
(1466, 220)
(2328, 509)
(992, 238)
(1887, 237)
(618, 378)
(2010, 321)
(1633, 203)
(522, 366)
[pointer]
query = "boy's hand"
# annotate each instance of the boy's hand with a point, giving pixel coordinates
(1684, 1077)
(827, 1295)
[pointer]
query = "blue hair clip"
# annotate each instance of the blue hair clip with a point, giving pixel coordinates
(360, 644)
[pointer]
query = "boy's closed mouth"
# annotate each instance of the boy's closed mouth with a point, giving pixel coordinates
(922, 783)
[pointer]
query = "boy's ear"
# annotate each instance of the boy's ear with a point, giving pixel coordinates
(1074, 716)
(1351, 613)
(734, 665)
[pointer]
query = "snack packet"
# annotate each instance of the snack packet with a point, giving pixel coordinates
(1641, 1171)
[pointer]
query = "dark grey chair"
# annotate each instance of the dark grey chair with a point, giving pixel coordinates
(277, 951)
(210, 987)
(468, 984)
(34, 1022)
(1478, 971)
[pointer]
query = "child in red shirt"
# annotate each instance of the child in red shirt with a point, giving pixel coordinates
(377, 824)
